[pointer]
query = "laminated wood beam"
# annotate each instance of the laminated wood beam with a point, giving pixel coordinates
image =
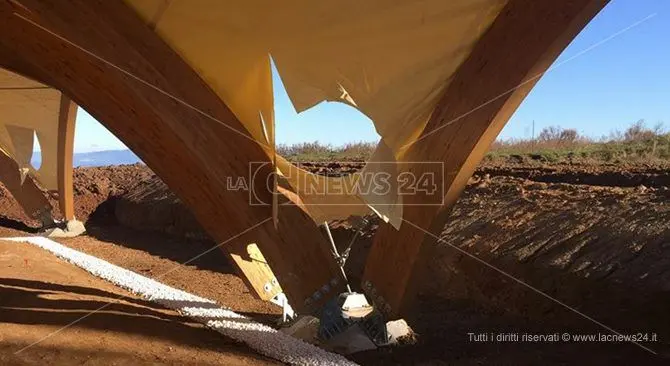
(521, 44)
(66, 123)
(158, 106)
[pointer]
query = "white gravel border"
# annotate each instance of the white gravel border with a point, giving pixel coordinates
(261, 338)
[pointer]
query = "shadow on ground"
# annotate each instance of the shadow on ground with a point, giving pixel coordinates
(103, 225)
(41, 303)
(17, 225)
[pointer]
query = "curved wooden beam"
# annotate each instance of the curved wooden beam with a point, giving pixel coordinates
(66, 123)
(504, 65)
(149, 106)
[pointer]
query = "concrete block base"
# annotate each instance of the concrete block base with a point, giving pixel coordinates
(71, 229)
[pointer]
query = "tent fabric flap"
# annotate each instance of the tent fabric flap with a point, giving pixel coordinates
(390, 59)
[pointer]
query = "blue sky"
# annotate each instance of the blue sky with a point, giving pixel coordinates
(615, 83)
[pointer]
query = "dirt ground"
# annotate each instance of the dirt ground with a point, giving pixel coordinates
(92, 187)
(594, 237)
(40, 295)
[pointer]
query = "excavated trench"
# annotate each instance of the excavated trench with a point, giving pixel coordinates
(577, 249)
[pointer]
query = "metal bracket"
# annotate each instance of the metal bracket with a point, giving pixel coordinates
(321, 292)
(337, 256)
(375, 328)
(377, 299)
(360, 225)
(287, 311)
(347, 310)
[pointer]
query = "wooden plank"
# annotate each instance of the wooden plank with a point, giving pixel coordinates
(523, 41)
(158, 106)
(66, 124)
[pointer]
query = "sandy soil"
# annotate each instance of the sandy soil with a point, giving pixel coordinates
(40, 294)
(595, 237)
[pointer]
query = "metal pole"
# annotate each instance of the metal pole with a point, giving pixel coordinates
(336, 255)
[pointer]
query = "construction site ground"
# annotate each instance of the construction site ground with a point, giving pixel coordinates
(595, 238)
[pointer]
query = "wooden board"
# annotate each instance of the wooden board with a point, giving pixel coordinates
(504, 65)
(162, 110)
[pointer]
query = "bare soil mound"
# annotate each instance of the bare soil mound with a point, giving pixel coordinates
(92, 187)
(150, 205)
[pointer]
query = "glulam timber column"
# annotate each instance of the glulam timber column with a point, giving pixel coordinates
(66, 123)
(109, 62)
(521, 44)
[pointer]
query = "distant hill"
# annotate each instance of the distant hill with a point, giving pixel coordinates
(98, 158)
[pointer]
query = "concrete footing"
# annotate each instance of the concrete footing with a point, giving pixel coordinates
(71, 229)
(351, 340)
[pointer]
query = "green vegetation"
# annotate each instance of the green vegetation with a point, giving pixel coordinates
(315, 151)
(553, 144)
